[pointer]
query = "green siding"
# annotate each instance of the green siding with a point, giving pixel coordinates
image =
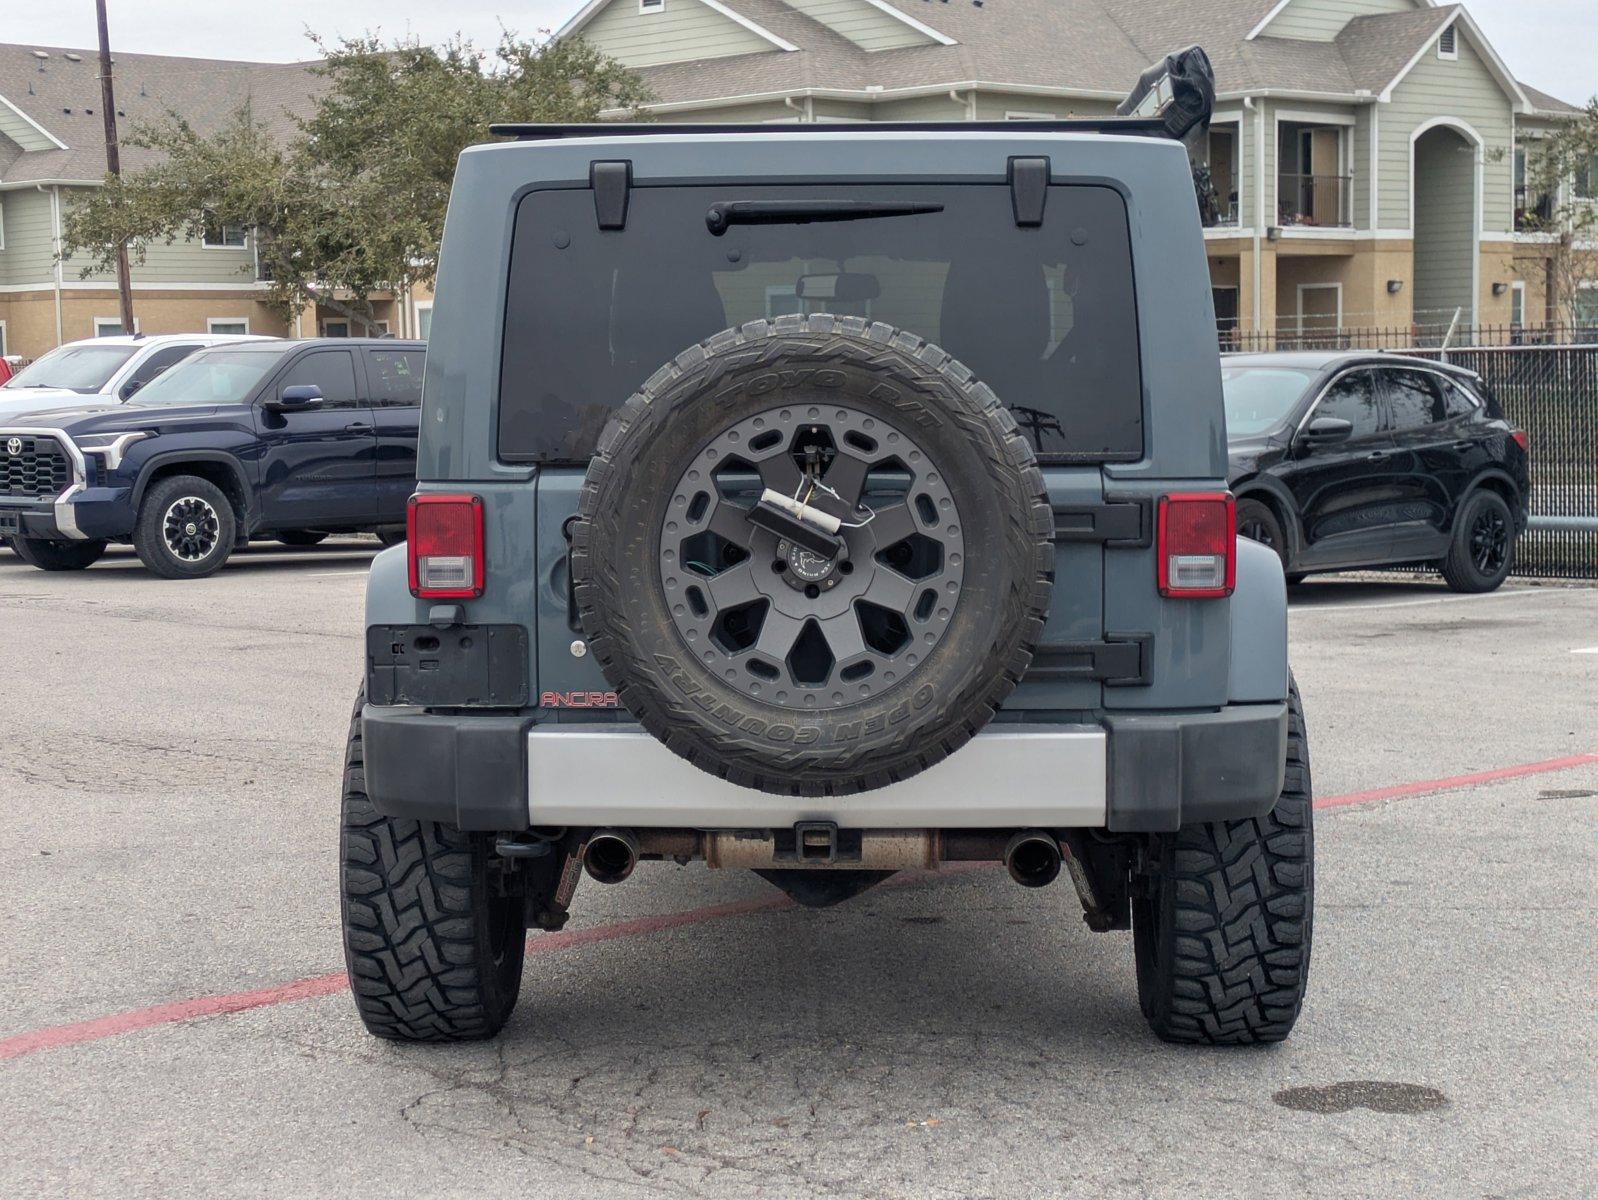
(684, 31)
(1445, 245)
(991, 106)
(1321, 20)
(27, 258)
(183, 262)
(22, 131)
(1464, 90)
(863, 24)
(754, 114)
(923, 108)
(1360, 163)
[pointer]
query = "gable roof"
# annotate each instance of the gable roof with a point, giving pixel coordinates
(60, 96)
(1542, 102)
(1083, 48)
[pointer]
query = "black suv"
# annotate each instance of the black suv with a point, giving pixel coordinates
(290, 440)
(1342, 460)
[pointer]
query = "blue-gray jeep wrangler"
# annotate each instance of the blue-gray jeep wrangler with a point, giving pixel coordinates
(829, 502)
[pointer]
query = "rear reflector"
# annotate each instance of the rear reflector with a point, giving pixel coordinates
(1521, 439)
(1197, 545)
(445, 539)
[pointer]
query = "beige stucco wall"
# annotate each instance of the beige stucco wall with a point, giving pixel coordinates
(31, 327)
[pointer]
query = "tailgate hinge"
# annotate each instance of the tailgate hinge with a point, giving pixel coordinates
(1029, 189)
(611, 182)
(1120, 660)
(1114, 522)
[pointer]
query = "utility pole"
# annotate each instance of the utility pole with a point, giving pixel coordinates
(113, 163)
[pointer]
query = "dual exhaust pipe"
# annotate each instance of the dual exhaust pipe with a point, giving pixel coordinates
(1032, 857)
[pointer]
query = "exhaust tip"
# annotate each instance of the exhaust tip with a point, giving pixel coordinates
(1033, 858)
(611, 855)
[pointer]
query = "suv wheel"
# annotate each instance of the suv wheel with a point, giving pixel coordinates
(57, 556)
(433, 937)
(1483, 546)
(1258, 523)
(300, 537)
(185, 528)
(791, 668)
(1222, 932)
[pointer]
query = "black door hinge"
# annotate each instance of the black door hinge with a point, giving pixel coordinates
(1122, 523)
(612, 182)
(1120, 660)
(1029, 190)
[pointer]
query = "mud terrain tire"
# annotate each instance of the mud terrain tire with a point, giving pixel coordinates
(801, 369)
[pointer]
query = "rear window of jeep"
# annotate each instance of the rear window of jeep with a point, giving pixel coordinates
(1044, 315)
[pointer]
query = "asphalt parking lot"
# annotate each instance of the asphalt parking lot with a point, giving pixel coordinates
(175, 1021)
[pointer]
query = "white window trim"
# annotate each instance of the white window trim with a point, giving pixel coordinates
(2, 339)
(1517, 295)
(1304, 287)
(2, 223)
(206, 244)
(212, 322)
(1452, 33)
(651, 7)
(117, 321)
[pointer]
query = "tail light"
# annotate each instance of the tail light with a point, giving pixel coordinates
(1197, 545)
(1521, 439)
(445, 536)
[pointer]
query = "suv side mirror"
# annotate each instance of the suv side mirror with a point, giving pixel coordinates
(1325, 431)
(296, 397)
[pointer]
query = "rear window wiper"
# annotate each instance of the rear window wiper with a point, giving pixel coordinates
(727, 213)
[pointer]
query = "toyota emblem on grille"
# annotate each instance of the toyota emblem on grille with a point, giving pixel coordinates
(14, 446)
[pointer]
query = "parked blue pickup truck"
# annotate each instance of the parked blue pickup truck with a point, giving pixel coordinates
(291, 440)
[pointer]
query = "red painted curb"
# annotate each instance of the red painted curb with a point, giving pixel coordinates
(56, 1037)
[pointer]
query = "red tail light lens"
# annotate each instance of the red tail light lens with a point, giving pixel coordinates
(1197, 545)
(1521, 439)
(445, 537)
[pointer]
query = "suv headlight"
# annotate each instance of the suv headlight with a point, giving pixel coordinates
(110, 446)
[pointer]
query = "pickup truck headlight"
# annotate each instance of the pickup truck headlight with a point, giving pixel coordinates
(110, 446)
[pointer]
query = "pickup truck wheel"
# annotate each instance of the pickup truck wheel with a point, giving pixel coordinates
(185, 528)
(57, 556)
(300, 537)
(1222, 934)
(824, 668)
(1483, 546)
(433, 937)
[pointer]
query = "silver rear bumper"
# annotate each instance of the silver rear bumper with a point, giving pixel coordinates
(1009, 777)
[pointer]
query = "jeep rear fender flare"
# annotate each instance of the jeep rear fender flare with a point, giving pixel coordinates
(177, 458)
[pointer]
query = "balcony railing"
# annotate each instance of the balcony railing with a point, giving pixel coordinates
(1315, 201)
(1534, 211)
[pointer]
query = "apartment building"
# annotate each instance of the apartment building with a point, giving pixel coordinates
(1370, 154)
(52, 148)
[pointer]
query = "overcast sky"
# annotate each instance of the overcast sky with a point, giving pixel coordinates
(1547, 43)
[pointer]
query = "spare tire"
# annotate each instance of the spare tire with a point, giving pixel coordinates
(777, 667)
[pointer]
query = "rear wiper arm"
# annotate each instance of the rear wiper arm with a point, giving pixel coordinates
(727, 213)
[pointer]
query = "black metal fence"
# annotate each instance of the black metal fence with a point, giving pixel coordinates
(1406, 337)
(1552, 393)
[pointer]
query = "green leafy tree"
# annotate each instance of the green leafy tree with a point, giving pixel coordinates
(1564, 164)
(351, 201)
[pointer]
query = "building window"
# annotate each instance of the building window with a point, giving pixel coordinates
(1224, 172)
(1313, 186)
(2, 224)
(220, 236)
(1448, 45)
(424, 320)
(377, 329)
(1586, 180)
(335, 329)
(228, 326)
(1517, 303)
(111, 326)
(651, 6)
